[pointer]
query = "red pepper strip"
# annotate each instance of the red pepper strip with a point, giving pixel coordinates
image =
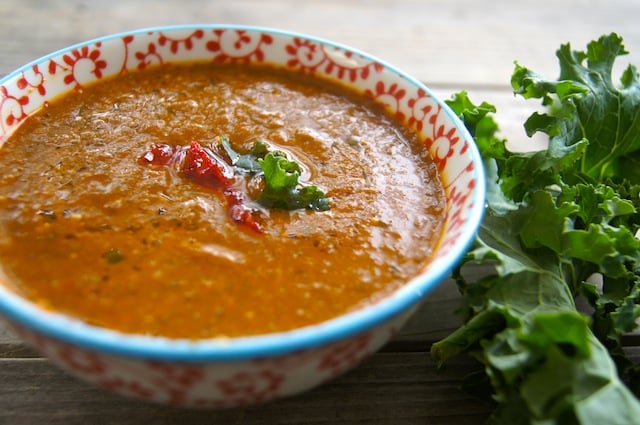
(205, 170)
(238, 211)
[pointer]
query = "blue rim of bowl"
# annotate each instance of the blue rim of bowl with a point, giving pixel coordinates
(59, 326)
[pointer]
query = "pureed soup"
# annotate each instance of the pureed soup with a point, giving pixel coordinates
(138, 203)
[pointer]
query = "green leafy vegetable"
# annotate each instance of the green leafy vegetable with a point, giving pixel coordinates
(246, 162)
(556, 221)
(282, 188)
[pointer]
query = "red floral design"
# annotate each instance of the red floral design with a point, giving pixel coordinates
(442, 141)
(461, 201)
(80, 63)
(309, 56)
(175, 43)
(391, 96)
(238, 46)
(33, 78)
(448, 149)
(84, 362)
(175, 375)
(421, 106)
(151, 56)
(11, 108)
(250, 387)
(128, 387)
(345, 355)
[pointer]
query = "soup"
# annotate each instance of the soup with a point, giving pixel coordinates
(91, 225)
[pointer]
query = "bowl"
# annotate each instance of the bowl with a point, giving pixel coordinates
(225, 372)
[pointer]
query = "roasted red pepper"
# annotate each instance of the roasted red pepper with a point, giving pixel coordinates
(205, 169)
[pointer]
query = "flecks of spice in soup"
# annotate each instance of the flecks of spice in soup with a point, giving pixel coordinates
(86, 230)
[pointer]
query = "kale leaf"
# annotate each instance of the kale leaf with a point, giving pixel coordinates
(560, 225)
(247, 162)
(282, 188)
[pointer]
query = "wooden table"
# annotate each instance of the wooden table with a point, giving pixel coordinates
(451, 45)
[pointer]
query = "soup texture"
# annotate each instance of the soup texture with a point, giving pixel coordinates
(92, 227)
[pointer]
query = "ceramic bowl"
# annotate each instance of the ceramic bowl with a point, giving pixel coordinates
(240, 371)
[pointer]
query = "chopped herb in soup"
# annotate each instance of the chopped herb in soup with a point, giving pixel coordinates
(277, 177)
(206, 200)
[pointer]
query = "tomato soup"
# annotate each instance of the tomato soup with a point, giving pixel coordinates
(90, 230)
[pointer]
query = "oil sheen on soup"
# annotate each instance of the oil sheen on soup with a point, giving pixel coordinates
(88, 230)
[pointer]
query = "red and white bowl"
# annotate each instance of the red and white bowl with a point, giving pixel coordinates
(238, 371)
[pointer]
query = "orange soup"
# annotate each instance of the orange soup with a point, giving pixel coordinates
(93, 226)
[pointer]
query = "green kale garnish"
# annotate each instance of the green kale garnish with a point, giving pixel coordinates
(245, 162)
(555, 220)
(282, 188)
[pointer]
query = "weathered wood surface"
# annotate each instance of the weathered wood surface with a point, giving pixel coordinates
(451, 45)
